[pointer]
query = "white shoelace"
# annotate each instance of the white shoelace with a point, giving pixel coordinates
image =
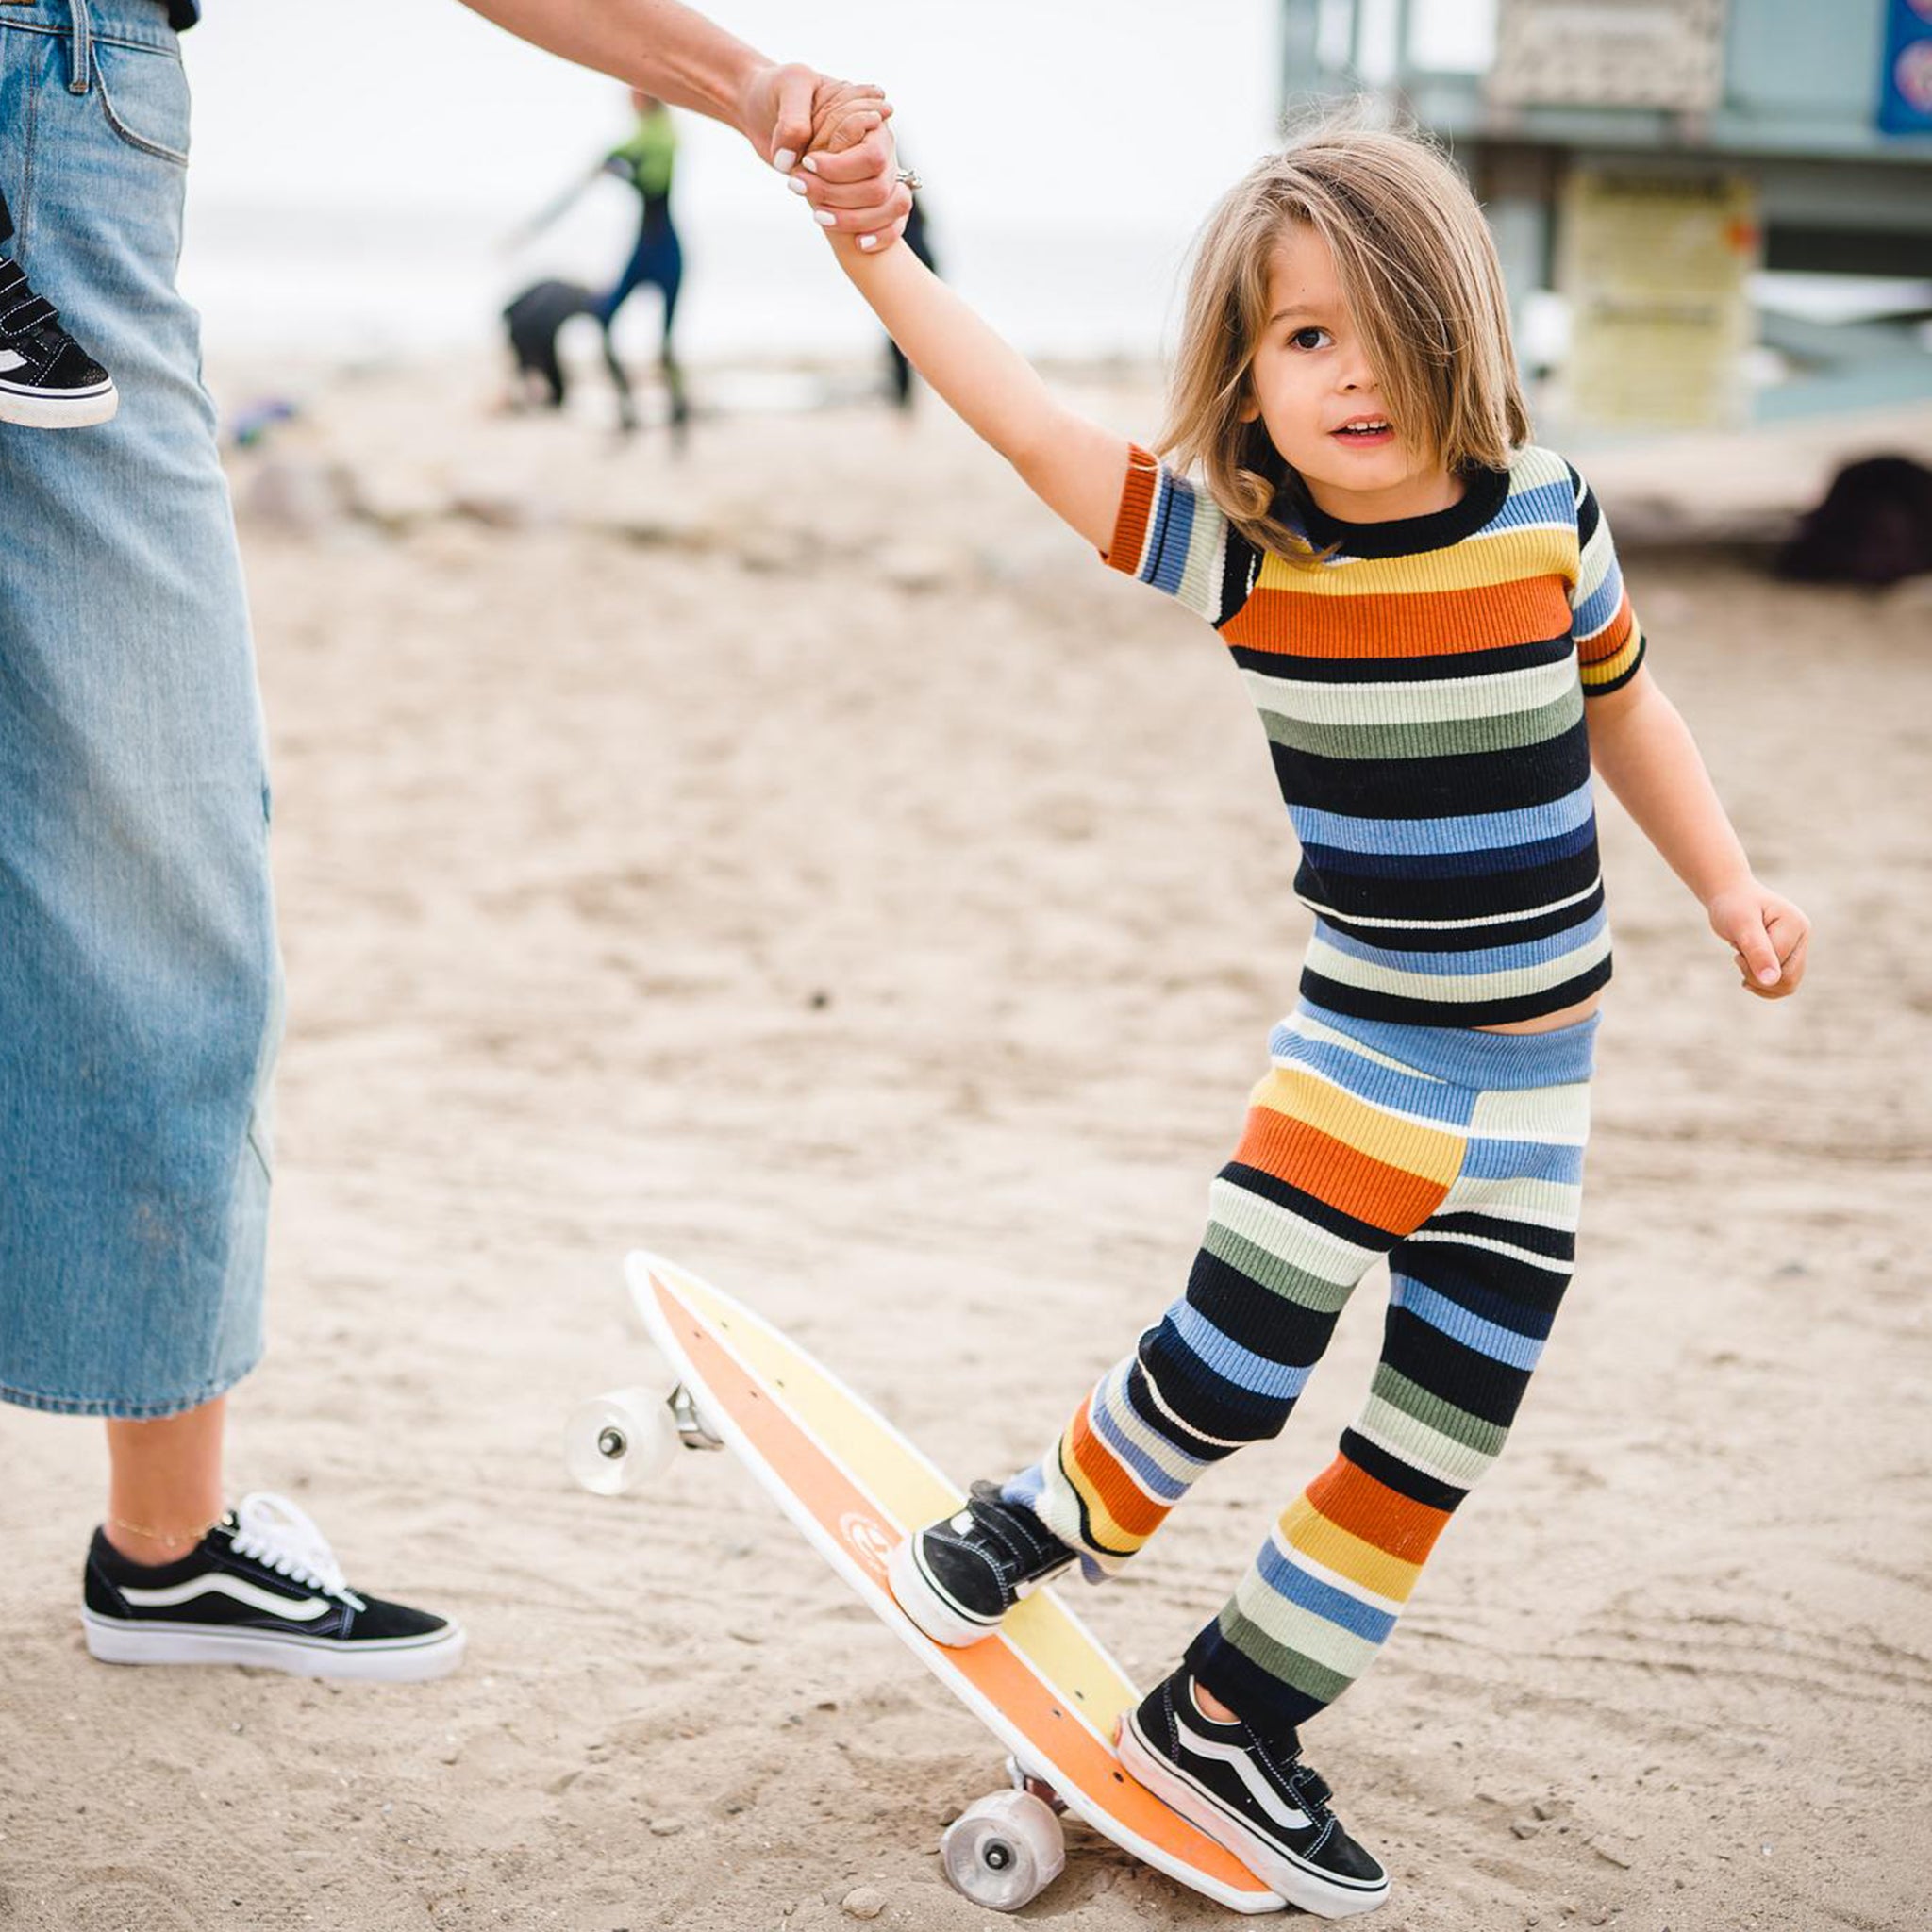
(271, 1529)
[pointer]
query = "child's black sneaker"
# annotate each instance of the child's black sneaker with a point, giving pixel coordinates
(957, 1577)
(47, 380)
(261, 1587)
(1254, 1796)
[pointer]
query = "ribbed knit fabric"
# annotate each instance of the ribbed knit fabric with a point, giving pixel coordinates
(1422, 693)
(1459, 1155)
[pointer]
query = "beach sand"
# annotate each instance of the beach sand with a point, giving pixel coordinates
(802, 859)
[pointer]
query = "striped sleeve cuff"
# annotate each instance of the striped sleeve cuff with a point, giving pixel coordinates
(1177, 539)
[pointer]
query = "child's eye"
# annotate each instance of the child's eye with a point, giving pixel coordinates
(1299, 339)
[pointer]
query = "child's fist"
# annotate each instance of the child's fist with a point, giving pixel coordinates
(1767, 936)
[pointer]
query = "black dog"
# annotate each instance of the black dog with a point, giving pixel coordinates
(1875, 526)
(534, 321)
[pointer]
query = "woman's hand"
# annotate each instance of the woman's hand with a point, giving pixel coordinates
(1767, 935)
(837, 128)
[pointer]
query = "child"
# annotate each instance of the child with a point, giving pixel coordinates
(1429, 612)
(47, 380)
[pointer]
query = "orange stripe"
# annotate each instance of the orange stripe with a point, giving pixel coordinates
(1420, 625)
(1130, 1507)
(1332, 1171)
(1136, 506)
(1613, 636)
(1396, 1525)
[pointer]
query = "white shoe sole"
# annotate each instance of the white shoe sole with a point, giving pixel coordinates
(76, 412)
(920, 1598)
(1300, 1884)
(393, 1660)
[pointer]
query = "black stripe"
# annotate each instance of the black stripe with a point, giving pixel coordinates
(1559, 1243)
(1452, 783)
(1459, 895)
(1459, 1376)
(1269, 1324)
(1437, 940)
(1402, 1478)
(1445, 665)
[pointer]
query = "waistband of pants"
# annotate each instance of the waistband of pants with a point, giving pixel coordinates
(119, 23)
(1471, 1058)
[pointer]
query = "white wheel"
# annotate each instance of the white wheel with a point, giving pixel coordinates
(620, 1441)
(1005, 1850)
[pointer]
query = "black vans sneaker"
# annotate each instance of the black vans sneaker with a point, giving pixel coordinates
(958, 1576)
(1256, 1798)
(47, 380)
(261, 1587)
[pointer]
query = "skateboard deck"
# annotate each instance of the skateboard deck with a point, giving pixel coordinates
(1043, 1684)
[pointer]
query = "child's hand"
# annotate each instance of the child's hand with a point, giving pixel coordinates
(851, 175)
(1767, 936)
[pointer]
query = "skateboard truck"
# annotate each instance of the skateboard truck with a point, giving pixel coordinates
(691, 1431)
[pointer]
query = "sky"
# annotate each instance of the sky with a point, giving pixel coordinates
(350, 191)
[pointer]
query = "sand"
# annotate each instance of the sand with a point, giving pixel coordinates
(803, 860)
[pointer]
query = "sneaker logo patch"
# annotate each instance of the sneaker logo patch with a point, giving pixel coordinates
(12, 358)
(867, 1539)
(297, 1610)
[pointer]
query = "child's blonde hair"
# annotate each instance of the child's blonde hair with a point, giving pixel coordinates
(1418, 269)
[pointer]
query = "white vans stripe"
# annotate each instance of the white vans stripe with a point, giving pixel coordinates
(297, 1609)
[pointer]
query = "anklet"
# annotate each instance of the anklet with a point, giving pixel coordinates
(164, 1536)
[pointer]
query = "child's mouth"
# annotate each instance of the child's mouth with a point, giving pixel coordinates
(1365, 435)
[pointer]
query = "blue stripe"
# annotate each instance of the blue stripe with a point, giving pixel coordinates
(1601, 605)
(1471, 832)
(1170, 1488)
(1557, 945)
(1291, 1582)
(1177, 527)
(1233, 1363)
(1542, 503)
(1453, 1320)
(1519, 1318)
(1415, 1094)
(1491, 1160)
(1450, 865)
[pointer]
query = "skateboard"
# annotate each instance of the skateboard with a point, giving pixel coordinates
(1043, 1684)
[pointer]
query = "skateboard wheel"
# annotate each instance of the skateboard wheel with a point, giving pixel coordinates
(1004, 1851)
(624, 1441)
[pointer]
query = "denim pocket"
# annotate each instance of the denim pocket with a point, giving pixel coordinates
(144, 97)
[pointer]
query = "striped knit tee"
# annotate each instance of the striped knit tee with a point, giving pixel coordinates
(1422, 690)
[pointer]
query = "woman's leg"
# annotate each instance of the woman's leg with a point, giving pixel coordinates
(1475, 1291)
(1344, 1152)
(164, 1483)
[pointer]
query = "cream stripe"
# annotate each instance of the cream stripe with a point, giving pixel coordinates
(1298, 1629)
(1423, 701)
(1286, 1236)
(1456, 1238)
(1546, 1203)
(1122, 1418)
(1458, 988)
(1420, 1446)
(1558, 1115)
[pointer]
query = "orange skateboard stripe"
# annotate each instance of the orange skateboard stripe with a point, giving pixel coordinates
(993, 1667)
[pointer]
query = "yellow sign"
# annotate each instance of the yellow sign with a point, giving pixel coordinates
(1655, 267)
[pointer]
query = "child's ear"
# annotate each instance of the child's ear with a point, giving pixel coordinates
(1250, 407)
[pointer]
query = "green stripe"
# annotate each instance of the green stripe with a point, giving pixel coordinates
(1281, 1278)
(1432, 1412)
(1433, 739)
(1286, 1666)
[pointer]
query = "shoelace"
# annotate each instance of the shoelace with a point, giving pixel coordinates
(270, 1529)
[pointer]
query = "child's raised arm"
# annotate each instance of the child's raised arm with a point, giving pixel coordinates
(1074, 466)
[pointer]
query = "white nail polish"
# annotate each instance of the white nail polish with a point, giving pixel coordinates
(785, 160)
(868, 241)
(824, 218)
(797, 186)
(810, 164)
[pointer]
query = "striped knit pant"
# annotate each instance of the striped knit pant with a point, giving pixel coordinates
(1459, 1155)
